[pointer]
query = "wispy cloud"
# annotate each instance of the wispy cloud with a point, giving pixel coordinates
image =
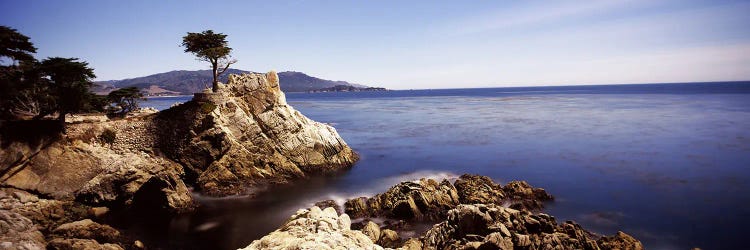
(536, 13)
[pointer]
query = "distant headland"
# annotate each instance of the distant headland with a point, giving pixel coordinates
(187, 82)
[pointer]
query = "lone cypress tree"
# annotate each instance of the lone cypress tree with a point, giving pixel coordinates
(210, 47)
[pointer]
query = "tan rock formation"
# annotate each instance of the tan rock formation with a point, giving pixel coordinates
(315, 229)
(246, 133)
(480, 226)
(227, 142)
(19, 232)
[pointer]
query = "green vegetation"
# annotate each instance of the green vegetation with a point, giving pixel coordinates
(207, 107)
(210, 47)
(30, 89)
(108, 136)
(125, 100)
(69, 81)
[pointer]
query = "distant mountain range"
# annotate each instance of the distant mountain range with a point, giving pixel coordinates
(186, 82)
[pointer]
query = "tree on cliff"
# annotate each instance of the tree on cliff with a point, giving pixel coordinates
(125, 99)
(210, 47)
(69, 81)
(17, 74)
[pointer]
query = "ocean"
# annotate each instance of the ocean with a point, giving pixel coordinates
(666, 163)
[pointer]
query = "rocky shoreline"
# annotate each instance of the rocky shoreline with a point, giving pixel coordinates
(471, 213)
(63, 191)
(234, 141)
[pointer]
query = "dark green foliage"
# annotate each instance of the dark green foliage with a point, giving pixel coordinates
(96, 103)
(18, 75)
(210, 47)
(125, 100)
(69, 82)
(29, 88)
(15, 46)
(207, 107)
(108, 136)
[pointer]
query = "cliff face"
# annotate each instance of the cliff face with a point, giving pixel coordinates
(243, 136)
(229, 142)
(78, 166)
(246, 133)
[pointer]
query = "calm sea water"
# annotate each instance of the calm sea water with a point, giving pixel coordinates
(666, 163)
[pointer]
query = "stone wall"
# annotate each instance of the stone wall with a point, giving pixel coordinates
(132, 134)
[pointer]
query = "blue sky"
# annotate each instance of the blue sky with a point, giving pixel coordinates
(407, 44)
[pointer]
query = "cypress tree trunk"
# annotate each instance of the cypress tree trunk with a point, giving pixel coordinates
(215, 86)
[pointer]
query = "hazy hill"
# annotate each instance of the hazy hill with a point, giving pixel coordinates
(186, 82)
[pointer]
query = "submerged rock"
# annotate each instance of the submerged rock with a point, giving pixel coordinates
(315, 229)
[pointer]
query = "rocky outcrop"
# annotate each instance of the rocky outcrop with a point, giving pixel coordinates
(243, 136)
(97, 175)
(84, 234)
(19, 232)
(229, 142)
(246, 135)
(425, 199)
(30, 222)
(429, 200)
(315, 229)
(480, 226)
(474, 212)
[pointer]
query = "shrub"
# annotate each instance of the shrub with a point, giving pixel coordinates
(207, 107)
(108, 136)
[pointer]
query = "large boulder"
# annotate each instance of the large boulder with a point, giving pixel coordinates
(315, 229)
(425, 199)
(473, 189)
(524, 196)
(87, 229)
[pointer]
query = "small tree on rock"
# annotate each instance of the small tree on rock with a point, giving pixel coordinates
(125, 99)
(210, 47)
